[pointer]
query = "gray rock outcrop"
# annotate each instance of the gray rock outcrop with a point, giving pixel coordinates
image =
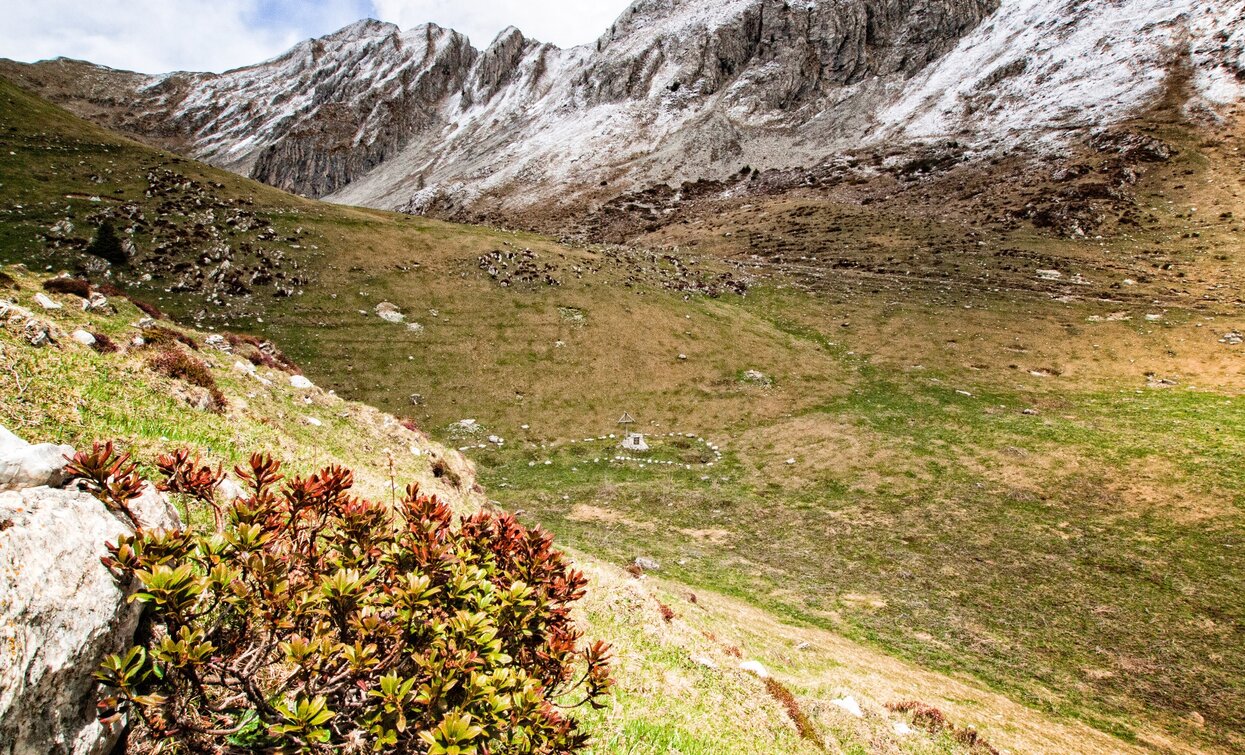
(23, 465)
(61, 614)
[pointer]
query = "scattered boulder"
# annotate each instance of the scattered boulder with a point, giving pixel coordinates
(61, 614)
(300, 382)
(755, 667)
(219, 343)
(756, 377)
(389, 312)
(644, 563)
(98, 303)
(229, 490)
(23, 465)
(43, 300)
(83, 337)
(61, 229)
(849, 705)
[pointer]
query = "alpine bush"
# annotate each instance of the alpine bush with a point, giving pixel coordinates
(309, 620)
(174, 363)
(107, 245)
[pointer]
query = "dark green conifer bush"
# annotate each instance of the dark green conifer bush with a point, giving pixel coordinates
(310, 620)
(107, 245)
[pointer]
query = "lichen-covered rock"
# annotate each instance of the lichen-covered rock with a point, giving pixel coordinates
(61, 614)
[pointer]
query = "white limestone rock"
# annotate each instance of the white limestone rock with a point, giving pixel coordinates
(23, 465)
(61, 614)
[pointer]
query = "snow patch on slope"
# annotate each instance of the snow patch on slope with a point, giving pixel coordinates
(1046, 65)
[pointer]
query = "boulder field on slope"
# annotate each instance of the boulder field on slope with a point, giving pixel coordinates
(673, 91)
(61, 610)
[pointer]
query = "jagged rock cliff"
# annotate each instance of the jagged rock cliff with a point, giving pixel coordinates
(675, 90)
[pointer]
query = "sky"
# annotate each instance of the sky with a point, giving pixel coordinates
(157, 36)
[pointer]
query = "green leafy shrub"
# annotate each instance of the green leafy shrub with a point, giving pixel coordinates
(174, 363)
(310, 620)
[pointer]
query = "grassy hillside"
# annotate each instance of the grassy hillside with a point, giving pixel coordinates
(678, 653)
(1035, 485)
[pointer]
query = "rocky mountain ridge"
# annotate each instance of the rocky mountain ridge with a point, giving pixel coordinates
(674, 91)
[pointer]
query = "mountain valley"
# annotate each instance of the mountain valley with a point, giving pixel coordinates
(939, 366)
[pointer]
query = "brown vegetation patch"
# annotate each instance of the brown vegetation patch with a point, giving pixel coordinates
(104, 344)
(932, 720)
(792, 706)
(174, 363)
(73, 286)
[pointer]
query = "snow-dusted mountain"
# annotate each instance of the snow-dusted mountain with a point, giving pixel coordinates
(675, 90)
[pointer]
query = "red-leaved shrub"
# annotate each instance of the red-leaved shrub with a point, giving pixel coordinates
(309, 620)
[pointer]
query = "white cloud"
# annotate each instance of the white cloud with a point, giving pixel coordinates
(563, 23)
(155, 36)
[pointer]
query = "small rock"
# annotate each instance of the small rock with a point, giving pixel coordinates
(83, 337)
(43, 301)
(218, 342)
(97, 302)
(683, 357)
(756, 377)
(23, 465)
(850, 705)
(389, 312)
(229, 490)
(1030, 412)
(1232, 339)
(647, 564)
(755, 667)
(313, 421)
(301, 382)
(708, 663)
(417, 399)
(902, 729)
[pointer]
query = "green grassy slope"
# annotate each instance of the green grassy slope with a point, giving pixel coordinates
(678, 686)
(1087, 559)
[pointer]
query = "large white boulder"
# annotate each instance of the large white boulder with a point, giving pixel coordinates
(61, 614)
(23, 465)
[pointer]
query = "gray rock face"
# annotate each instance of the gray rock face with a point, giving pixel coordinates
(23, 465)
(61, 614)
